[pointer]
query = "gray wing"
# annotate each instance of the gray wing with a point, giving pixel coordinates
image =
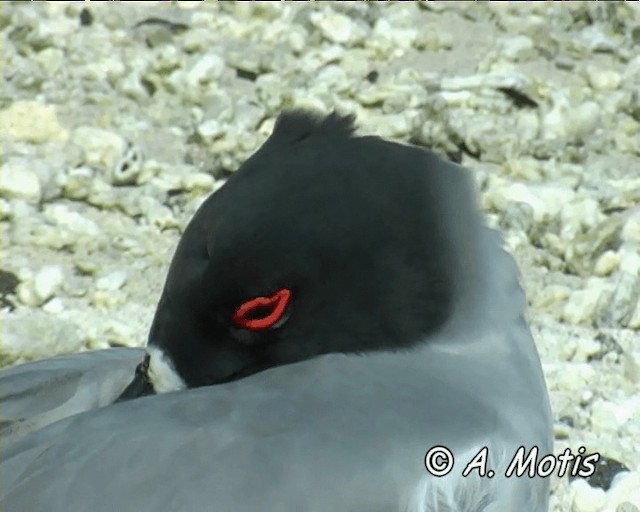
(35, 394)
(335, 433)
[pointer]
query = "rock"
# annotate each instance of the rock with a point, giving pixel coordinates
(619, 306)
(582, 252)
(47, 282)
(607, 416)
(50, 59)
(112, 281)
(336, 27)
(551, 297)
(567, 120)
(518, 48)
(630, 259)
(107, 299)
(634, 321)
(545, 201)
(518, 216)
(625, 492)
(118, 334)
(102, 148)
(603, 80)
(158, 214)
(587, 349)
(5, 209)
(387, 40)
(77, 183)
(32, 334)
(208, 68)
(631, 229)
(583, 120)
(581, 305)
(585, 498)
(607, 263)
(198, 181)
(210, 130)
(102, 194)
(31, 121)
(18, 181)
(54, 307)
(64, 217)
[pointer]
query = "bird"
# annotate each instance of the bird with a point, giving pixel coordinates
(333, 314)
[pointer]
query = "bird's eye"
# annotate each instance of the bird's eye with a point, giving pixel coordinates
(262, 312)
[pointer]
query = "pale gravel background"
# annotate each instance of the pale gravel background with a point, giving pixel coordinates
(113, 134)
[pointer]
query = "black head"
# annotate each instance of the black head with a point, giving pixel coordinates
(321, 242)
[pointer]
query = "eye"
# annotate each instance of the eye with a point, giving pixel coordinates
(262, 312)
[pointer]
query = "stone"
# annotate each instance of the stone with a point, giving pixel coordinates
(17, 181)
(63, 216)
(102, 148)
(47, 282)
(54, 306)
(585, 498)
(77, 183)
(607, 416)
(32, 121)
(582, 252)
(631, 229)
(607, 263)
(32, 334)
(336, 27)
(630, 259)
(603, 80)
(112, 281)
(207, 68)
(199, 181)
(581, 305)
(618, 307)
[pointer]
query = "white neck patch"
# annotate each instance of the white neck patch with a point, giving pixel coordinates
(162, 374)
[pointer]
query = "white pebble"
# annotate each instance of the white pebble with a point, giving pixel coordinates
(634, 323)
(211, 129)
(62, 216)
(207, 69)
(31, 121)
(603, 80)
(19, 182)
(585, 498)
(47, 282)
(336, 27)
(119, 334)
(607, 263)
(53, 307)
(198, 181)
(608, 417)
(112, 281)
(579, 216)
(630, 260)
(581, 305)
(102, 148)
(631, 230)
(518, 48)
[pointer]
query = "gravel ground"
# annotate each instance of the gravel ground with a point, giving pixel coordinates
(118, 120)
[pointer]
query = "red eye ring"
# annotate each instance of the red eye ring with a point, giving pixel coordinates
(278, 302)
